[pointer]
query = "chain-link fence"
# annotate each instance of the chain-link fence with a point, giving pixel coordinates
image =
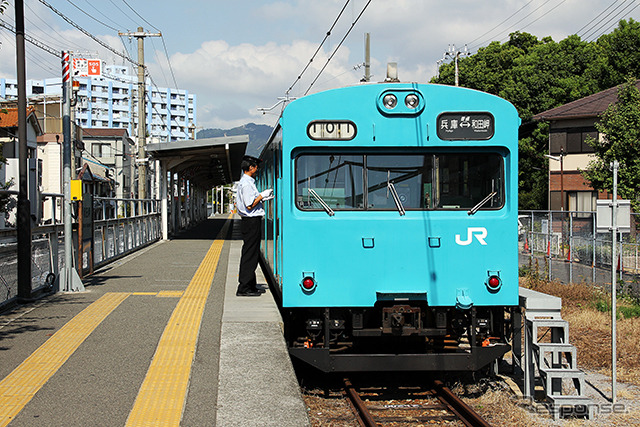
(566, 246)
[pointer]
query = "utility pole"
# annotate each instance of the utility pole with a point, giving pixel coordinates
(24, 209)
(69, 278)
(142, 111)
(367, 57)
(454, 54)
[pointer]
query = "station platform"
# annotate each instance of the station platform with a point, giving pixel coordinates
(158, 339)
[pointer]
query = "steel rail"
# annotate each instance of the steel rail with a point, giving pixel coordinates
(466, 414)
(363, 412)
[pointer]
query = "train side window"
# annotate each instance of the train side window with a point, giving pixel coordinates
(411, 176)
(335, 179)
(464, 180)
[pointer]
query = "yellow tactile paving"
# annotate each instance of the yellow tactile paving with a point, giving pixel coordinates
(17, 389)
(162, 396)
(170, 294)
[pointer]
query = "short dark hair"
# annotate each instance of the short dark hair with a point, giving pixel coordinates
(246, 164)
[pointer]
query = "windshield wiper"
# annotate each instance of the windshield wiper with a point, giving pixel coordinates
(324, 204)
(392, 188)
(475, 209)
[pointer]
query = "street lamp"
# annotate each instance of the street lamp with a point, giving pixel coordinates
(560, 159)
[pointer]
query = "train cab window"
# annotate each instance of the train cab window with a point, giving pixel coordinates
(411, 175)
(463, 181)
(333, 179)
(422, 181)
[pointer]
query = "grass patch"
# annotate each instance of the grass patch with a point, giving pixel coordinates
(587, 308)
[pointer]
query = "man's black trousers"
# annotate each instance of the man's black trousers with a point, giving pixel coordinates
(251, 233)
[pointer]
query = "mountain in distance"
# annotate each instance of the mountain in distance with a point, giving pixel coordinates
(258, 135)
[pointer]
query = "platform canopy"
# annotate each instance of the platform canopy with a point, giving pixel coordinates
(207, 162)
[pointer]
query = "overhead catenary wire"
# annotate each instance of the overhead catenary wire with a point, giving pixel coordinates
(339, 45)
(318, 49)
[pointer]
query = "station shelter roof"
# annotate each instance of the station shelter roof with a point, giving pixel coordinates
(206, 162)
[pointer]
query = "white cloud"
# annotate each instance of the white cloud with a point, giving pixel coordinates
(224, 77)
(238, 56)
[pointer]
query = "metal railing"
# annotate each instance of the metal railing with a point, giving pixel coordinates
(120, 226)
(565, 246)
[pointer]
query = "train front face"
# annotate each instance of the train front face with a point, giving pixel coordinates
(399, 237)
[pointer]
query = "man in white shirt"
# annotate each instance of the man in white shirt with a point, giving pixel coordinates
(249, 203)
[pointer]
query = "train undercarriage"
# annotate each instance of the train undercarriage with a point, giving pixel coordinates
(407, 336)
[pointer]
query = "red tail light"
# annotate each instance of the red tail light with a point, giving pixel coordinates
(308, 283)
(494, 283)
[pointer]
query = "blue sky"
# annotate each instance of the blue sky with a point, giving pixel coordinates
(237, 56)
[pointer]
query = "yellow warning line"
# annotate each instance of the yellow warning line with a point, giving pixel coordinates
(17, 389)
(162, 396)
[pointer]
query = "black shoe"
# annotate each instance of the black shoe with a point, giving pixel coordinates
(248, 294)
(259, 290)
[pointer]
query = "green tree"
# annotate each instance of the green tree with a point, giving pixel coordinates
(620, 125)
(536, 75)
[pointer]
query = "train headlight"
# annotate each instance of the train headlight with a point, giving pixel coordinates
(390, 101)
(412, 101)
(400, 101)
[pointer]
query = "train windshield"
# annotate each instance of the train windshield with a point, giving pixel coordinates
(434, 181)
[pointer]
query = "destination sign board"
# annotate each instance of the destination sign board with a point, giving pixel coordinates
(465, 126)
(324, 130)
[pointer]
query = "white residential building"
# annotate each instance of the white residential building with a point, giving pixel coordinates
(110, 101)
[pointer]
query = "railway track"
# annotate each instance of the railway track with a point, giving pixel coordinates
(436, 404)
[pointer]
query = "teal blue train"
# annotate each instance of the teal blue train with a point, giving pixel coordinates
(391, 243)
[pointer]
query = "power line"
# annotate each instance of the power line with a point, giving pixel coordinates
(519, 21)
(66, 41)
(32, 40)
(590, 31)
(510, 16)
(123, 12)
(339, 45)
(614, 19)
(103, 14)
(615, 23)
(166, 52)
(163, 42)
(318, 49)
(85, 32)
(543, 15)
(140, 16)
(91, 16)
(597, 16)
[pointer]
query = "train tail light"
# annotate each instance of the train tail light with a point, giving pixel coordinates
(493, 282)
(308, 283)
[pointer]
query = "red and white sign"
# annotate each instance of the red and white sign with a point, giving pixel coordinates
(86, 67)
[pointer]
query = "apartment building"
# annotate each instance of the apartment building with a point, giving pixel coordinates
(110, 101)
